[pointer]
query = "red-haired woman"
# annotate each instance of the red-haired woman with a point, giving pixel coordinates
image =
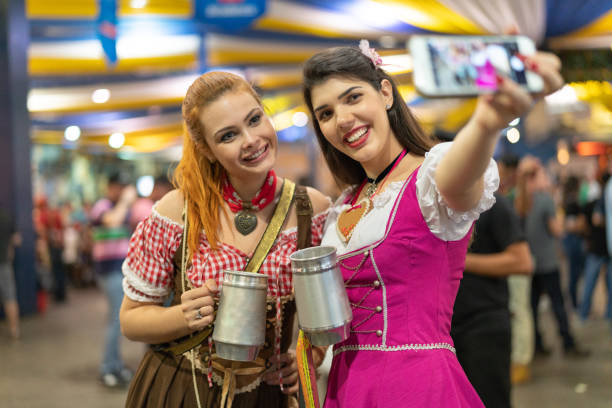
(228, 191)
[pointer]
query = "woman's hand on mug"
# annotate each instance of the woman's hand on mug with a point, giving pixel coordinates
(510, 101)
(197, 305)
(288, 370)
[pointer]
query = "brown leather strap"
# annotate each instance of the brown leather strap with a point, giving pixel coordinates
(303, 209)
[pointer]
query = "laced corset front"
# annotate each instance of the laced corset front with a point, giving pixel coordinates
(402, 287)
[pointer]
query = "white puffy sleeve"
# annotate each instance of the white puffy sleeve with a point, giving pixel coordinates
(444, 222)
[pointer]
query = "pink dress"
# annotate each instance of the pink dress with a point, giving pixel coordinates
(402, 289)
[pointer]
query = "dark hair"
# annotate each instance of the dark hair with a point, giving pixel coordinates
(443, 135)
(352, 63)
(510, 160)
(119, 178)
(571, 187)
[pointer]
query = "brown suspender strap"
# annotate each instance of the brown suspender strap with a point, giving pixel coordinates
(273, 229)
(303, 208)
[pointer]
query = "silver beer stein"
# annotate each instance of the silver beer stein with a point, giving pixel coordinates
(324, 312)
(240, 325)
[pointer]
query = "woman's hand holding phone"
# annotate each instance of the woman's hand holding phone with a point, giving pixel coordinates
(494, 111)
(466, 66)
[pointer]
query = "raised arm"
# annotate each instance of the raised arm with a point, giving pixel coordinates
(459, 174)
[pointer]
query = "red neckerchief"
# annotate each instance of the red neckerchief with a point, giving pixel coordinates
(264, 196)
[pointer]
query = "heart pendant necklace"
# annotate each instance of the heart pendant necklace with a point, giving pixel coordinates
(245, 219)
(350, 217)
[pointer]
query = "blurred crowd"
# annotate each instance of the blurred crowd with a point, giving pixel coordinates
(72, 244)
(574, 208)
(65, 236)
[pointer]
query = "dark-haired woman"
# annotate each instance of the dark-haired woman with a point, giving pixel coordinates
(402, 226)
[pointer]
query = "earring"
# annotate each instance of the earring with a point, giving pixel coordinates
(388, 106)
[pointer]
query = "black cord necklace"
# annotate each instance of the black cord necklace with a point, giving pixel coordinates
(373, 183)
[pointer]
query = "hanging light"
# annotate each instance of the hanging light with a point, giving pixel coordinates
(116, 140)
(100, 95)
(72, 133)
(299, 119)
(513, 135)
(138, 4)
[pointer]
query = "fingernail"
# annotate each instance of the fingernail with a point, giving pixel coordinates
(533, 66)
(499, 79)
(522, 57)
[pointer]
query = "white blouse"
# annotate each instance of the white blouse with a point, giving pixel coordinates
(444, 222)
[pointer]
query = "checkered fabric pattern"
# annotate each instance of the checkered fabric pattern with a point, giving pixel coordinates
(157, 238)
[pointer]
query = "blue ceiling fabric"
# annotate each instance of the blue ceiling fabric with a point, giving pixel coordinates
(87, 118)
(106, 28)
(79, 30)
(228, 16)
(274, 46)
(565, 16)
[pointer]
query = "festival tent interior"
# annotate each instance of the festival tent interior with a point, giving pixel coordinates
(109, 75)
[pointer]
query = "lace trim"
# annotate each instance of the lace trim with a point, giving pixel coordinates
(403, 347)
(435, 209)
(133, 280)
(156, 214)
(138, 296)
(219, 379)
(247, 388)
(390, 192)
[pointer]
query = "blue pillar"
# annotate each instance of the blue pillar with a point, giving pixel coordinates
(15, 171)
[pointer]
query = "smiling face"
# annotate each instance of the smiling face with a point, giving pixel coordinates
(352, 117)
(239, 135)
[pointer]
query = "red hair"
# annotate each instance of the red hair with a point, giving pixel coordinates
(198, 178)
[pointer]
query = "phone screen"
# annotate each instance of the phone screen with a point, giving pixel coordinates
(471, 65)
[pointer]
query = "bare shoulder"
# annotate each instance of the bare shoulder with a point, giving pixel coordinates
(320, 202)
(171, 206)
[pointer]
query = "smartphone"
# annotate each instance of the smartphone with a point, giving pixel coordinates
(458, 66)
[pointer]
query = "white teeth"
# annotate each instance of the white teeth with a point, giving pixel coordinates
(357, 135)
(256, 154)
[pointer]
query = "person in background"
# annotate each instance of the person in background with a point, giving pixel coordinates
(543, 227)
(50, 229)
(143, 205)
(519, 288)
(597, 253)
(481, 318)
(9, 239)
(574, 227)
(608, 221)
(507, 165)
(109, 217)
(72, 247)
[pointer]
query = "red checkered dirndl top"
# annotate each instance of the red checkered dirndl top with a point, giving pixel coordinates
(148, 268)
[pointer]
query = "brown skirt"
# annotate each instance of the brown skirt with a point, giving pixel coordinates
(165, 381)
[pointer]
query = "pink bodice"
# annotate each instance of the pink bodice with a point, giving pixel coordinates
(402, 289)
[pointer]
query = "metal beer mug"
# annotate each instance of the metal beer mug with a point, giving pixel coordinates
(240, 326)
(324, 312)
